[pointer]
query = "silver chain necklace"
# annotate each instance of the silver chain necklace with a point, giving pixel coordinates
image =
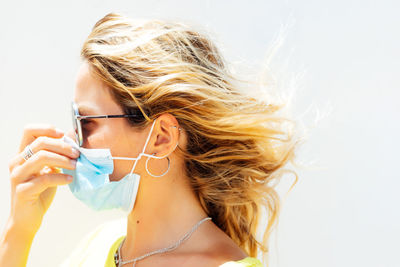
(117, 256)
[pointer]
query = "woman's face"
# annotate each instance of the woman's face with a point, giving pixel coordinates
(93, 98)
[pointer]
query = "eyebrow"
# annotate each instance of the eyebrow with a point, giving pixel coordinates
(85, 110)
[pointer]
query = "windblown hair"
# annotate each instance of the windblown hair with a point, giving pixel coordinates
(234, 151)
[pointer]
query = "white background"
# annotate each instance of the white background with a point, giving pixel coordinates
(344, 209)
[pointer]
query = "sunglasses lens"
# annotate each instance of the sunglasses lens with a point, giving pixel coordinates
(80, 137)
(76, 124)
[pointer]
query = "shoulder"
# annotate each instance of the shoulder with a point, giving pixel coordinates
(215, 249)
(224, 261)
(246, 262)
(93, 248)
(228, 258)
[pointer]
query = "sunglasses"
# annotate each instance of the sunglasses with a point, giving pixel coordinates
(76, 121)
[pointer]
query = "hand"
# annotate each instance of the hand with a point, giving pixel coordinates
(34, 181)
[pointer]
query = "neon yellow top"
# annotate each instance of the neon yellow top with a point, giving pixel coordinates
(94, 249)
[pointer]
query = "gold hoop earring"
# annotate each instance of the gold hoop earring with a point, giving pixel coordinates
(147, 169)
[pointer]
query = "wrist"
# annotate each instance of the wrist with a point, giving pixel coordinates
(18, 231)
(15, 244)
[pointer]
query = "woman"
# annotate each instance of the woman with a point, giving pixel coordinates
(203, 152)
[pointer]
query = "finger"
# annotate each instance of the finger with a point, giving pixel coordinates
(37, 162)
(33, 131)
(49, 144)
(36, 186)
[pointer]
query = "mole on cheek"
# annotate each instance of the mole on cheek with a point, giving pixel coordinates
(137, 221)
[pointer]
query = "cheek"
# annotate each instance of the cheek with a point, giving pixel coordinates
(121, 140)
(96, 137)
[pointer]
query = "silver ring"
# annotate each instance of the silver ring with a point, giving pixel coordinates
(27, 152)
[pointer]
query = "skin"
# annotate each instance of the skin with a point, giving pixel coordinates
(165, 209)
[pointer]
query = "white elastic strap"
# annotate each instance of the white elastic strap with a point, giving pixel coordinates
(145, 145)
(144, 148)
(141, 153)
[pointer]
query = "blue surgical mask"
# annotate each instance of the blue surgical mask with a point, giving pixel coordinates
(92, 185)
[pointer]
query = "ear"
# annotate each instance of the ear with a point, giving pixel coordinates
(167, 135)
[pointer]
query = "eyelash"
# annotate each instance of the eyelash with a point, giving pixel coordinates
(85, 122)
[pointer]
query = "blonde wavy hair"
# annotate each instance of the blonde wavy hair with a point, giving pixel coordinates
(233, 151)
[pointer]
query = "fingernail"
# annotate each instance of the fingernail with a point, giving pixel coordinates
(73, 162)
(69, 178)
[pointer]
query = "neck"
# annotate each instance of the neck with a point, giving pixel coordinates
(161, 217)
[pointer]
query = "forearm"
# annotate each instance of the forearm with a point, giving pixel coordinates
(14, 246)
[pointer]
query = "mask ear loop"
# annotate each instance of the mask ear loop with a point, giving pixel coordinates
(149, 156)
(144, 147)
(140, 154)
